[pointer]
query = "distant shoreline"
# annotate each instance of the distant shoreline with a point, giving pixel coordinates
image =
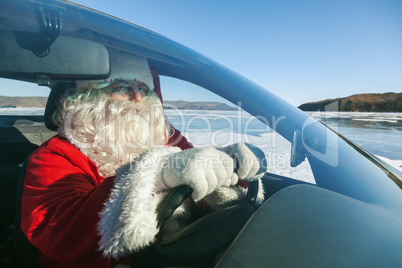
(386, 102)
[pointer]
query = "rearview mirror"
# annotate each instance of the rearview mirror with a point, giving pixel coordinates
(69, 58)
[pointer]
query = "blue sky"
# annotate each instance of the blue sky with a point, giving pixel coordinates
(300, 50)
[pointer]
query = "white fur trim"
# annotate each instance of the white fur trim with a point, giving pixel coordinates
(260, 195)
(124, 66)
(128, 219)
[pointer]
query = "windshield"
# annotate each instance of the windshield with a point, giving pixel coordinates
(308, 150)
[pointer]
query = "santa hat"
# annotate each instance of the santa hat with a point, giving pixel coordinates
(124, 66)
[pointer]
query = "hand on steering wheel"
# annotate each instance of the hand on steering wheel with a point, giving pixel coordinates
(202, 169)
(250, 162)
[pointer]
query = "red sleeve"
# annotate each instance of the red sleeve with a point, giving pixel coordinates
(178, 140)
(62, 197)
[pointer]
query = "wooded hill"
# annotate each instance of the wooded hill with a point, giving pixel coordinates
(386, 102)
(185, 105)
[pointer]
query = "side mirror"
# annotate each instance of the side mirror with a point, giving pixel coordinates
(297, 154)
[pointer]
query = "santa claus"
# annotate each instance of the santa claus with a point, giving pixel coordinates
(91, 192)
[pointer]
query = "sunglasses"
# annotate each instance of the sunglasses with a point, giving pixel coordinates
(129, 89)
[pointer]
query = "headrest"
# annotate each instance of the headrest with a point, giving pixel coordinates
(53, 102)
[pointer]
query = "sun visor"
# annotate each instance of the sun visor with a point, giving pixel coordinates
(68, 58)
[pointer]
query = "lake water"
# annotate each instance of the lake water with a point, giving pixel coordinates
(378, 133)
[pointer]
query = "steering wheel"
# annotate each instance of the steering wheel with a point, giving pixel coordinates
(177, 196)
(199, 243)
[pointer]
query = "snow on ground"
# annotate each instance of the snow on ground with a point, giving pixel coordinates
(22, 111)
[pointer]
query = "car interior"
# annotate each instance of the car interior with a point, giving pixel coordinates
(340, 222)
(231, 230)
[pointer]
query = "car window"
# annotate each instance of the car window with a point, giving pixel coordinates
(209, 120)
(22, 98)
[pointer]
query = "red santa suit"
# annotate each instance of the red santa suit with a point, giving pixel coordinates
(63, 195)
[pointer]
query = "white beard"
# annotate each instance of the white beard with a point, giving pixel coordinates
(113, 132)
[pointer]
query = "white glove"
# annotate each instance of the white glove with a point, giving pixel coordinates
(250, 161)
(202, 169)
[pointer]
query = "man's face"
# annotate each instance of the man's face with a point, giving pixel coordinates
(115, 124)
